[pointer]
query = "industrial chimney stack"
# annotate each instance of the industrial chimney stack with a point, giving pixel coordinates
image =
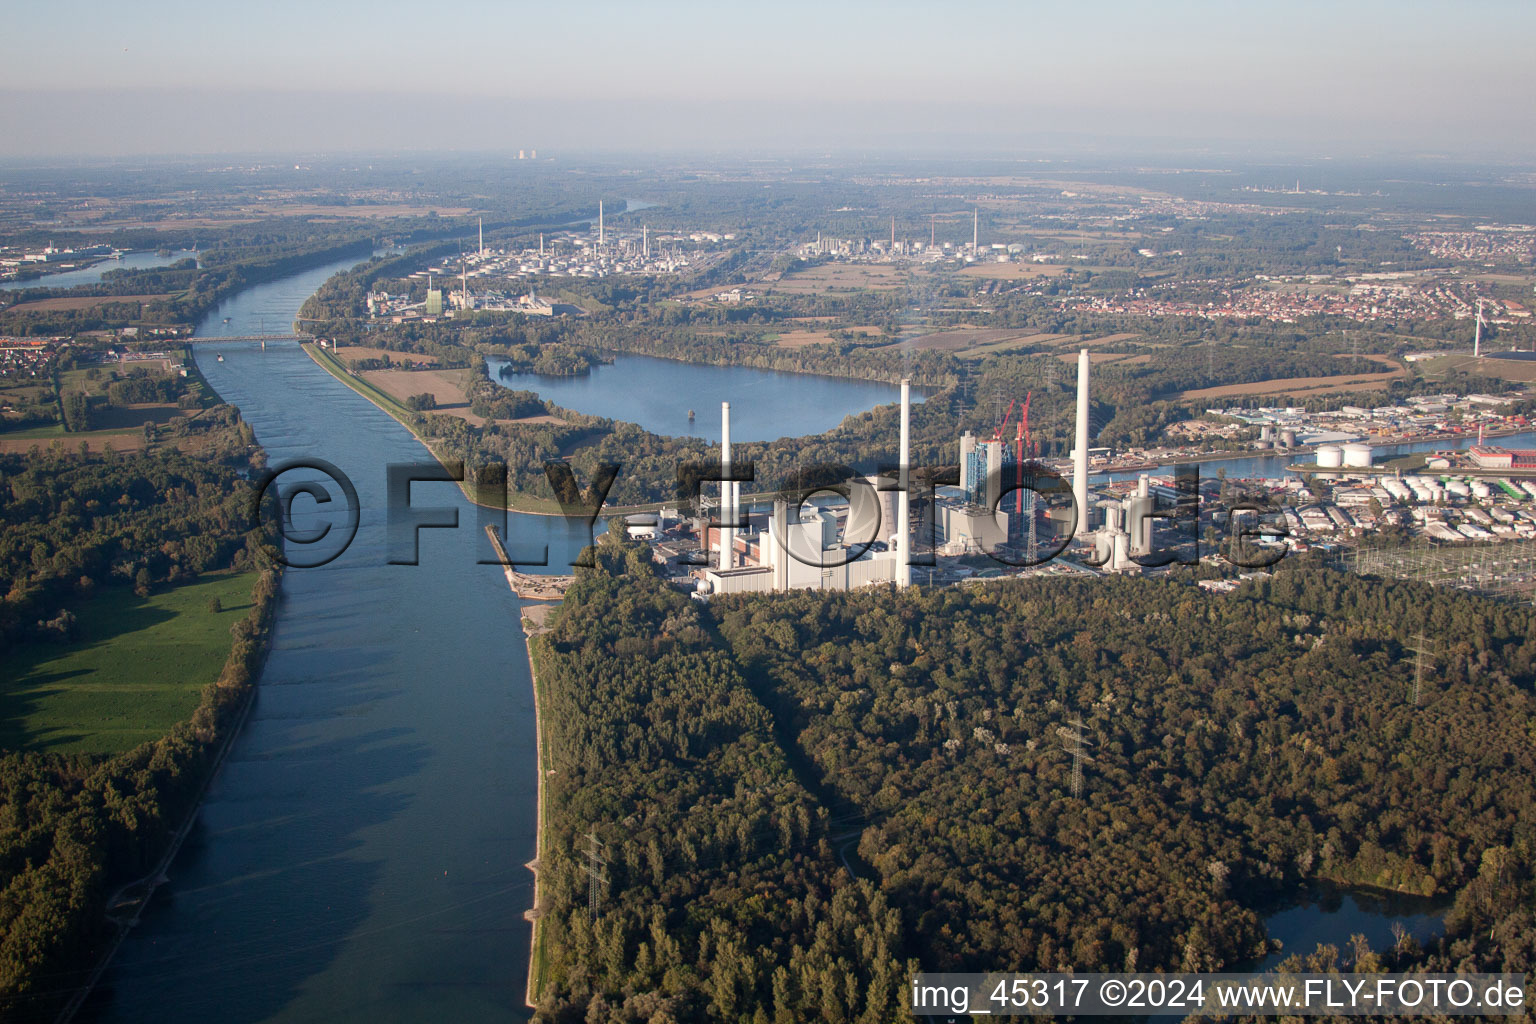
(727, 491)
(1080, 454)
(903, 499)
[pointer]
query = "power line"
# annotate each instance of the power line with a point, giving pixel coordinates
(1421, 649)
(1076, 744)
(597, 871)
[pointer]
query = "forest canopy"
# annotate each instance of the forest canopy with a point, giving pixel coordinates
(800, 789)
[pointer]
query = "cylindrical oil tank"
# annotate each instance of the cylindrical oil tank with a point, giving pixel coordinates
(1330, 456)
(1357, 455)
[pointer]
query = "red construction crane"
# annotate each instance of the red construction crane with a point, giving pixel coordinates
(997, 435)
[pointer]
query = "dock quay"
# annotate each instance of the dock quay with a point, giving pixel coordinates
(528, 586)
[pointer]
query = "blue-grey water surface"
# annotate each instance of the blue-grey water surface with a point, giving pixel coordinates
(360, 856)
(93, 273)
(658, 394)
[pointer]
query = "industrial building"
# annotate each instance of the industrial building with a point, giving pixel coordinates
(1488, 456)
(803, 548)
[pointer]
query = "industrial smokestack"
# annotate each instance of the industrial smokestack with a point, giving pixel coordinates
(1080, 455)
(903, 500)
(1477, 338)
(727, 492)
(482, 236)
(1138, 522)
(599, 223)
(976, 229)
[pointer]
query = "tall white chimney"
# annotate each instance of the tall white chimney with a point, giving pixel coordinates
(727, 492)
(903, 500)
(599, 223)
(482, 236)
(1477, 338)
(976, 229)
(1080, 455)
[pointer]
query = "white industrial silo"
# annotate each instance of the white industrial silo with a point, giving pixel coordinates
(1330, 456)
(1357, 455)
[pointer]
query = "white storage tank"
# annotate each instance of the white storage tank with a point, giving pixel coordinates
(1330, 456)
(1357, 455)
(1481, 490)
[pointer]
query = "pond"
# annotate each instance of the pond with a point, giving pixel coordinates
(1329, 916)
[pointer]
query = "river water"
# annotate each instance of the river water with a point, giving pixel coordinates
(361, 854)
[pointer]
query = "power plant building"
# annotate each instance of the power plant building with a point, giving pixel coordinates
(806, 550)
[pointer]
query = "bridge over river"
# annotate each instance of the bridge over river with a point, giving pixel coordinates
(250, 337)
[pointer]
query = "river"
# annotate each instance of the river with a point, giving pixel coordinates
(93, 273)
(361, 854)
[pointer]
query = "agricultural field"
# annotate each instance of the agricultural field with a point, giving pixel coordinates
(865, 334)
(96, 441)
(1307, 386)
(1013, 271)
(963, 338)
(447, 386)
(1101, 358)
(73, 302)
(1018, 344)
(1517, 370)
(351, 352)
(846, 277)
(135, 668)
(367, 211)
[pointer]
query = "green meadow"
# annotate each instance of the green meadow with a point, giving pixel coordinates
(134, 669)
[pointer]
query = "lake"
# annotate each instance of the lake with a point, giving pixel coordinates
(658, 393)
(93, 274)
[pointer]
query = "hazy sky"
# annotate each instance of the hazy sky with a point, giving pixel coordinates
(156, 76)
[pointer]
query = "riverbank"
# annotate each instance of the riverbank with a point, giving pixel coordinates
(522, 503)
(533, 626)
(525, 504)
(241, 674)
(535, 913)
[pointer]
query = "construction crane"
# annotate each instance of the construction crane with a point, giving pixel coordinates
(1021, 441)
(1029, 448)
(997, 435)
